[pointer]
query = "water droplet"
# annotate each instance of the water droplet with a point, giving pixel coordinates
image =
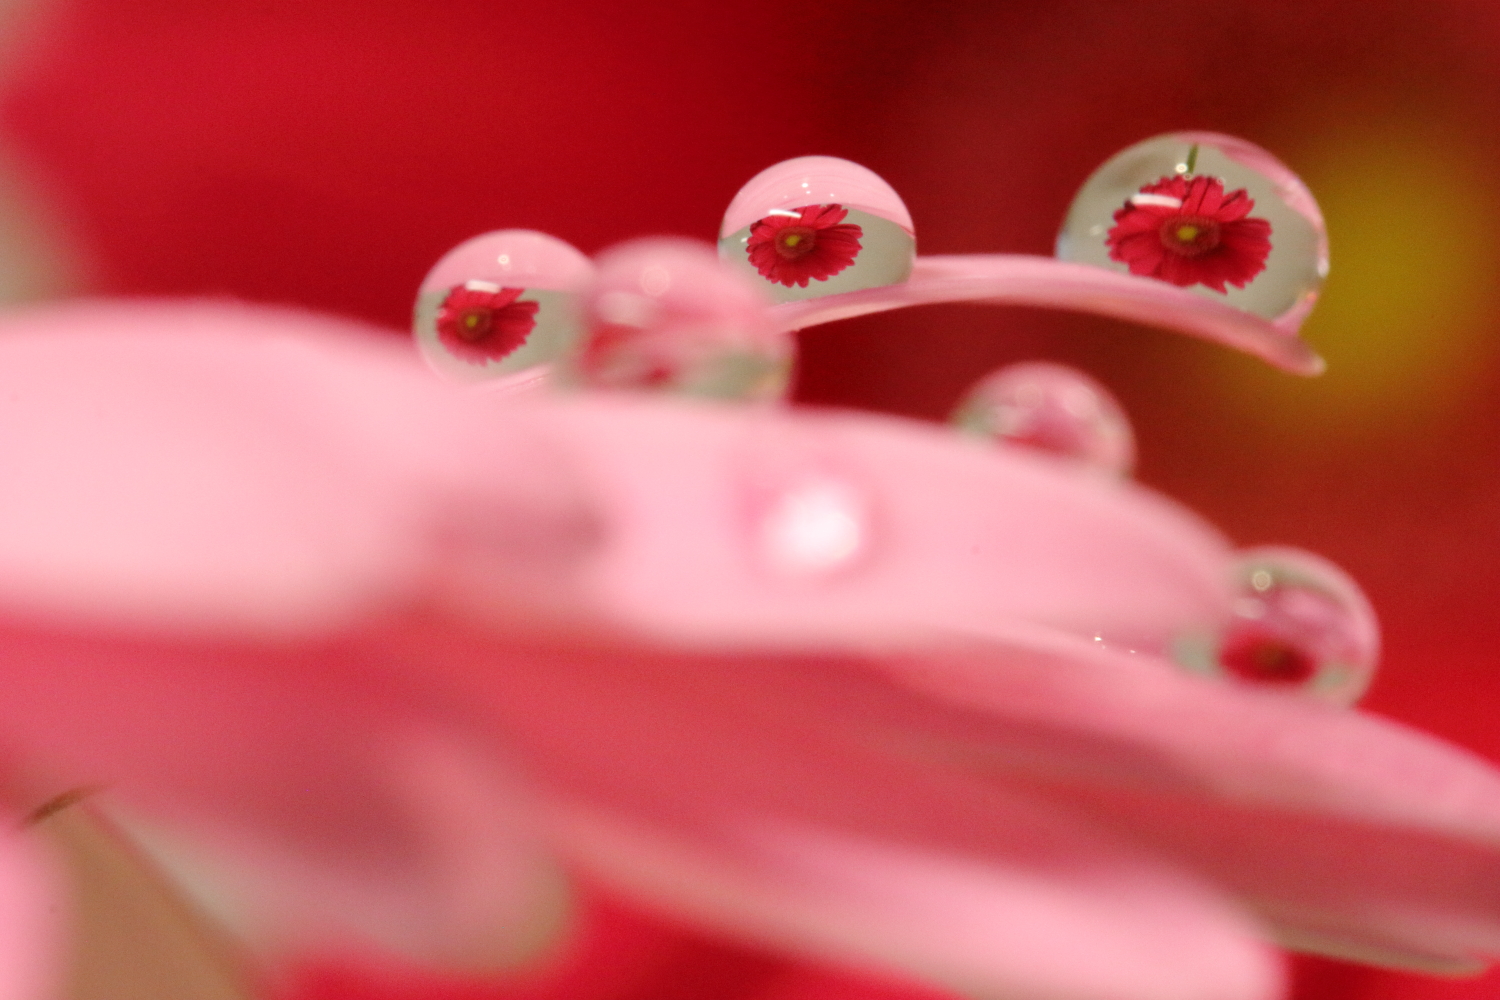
(818, 225)
(1053, 409)
(814, 525)
(501, 304)
(668, 315)
(1205, 212)
(1299, 623)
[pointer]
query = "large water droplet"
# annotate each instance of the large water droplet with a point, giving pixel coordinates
(1299, 623)
(818, 225)
(501, 304)
(1053, 409)
(668, 315)
(1206, 212)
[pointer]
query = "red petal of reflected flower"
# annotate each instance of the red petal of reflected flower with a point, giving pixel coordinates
(837, 245)
(1134, 240)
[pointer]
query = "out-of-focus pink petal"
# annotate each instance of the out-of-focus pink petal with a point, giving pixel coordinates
(30, 920)
(1354, 835)
(213, 532)
(1025, 280)
(820, 983)
(198, 513)
(957, 537)
(138, 436)
(730, 790)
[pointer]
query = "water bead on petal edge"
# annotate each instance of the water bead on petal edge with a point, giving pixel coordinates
(808, 518)
(1053, 409)
(668, 315)
(818, 225)
(1299, 623)
(1205, 212)
(501, 305)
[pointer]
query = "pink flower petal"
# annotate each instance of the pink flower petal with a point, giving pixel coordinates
(296, 586)
(1041, 281)
(199, 518)
(1353, 834)
(748, 793)
(994, 537)
(30, 919)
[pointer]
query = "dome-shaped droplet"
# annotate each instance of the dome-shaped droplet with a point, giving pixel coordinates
(1053, 409)
(1298, 623)
(500, 304)
(811, 526)
(1205, 212)
(818, 225)
(668, 315)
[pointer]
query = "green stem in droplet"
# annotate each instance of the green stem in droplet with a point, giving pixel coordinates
(1192, 160)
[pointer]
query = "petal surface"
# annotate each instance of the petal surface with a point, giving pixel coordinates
(30, 924)
(1355, 835)
(953, 535)
(201, 516)
(1025, 280)
(747, 793)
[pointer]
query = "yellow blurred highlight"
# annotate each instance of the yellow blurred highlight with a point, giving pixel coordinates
(1411, 302)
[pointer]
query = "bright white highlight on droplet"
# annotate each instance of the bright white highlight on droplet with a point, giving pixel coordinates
(482, 286)
(1164, 200)
(815, 527)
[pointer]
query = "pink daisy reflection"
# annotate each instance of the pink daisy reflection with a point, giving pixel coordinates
(810, 243)
(1189, 232)
(479, 323)
(382, 648)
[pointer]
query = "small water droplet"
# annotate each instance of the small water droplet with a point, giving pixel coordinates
(818, 225)
(814, 525)
(501, 304)
(668, 315)
(1206, 212)
(1053, 409)
(1299, 623)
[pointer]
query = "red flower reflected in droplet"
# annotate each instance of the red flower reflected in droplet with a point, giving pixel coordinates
(481, 323)
(813, 242)
(1191, 232)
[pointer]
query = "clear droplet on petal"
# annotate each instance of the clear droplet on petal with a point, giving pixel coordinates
(818, 225)
(1053, 409)
(667, 315)
(501, 305)
(1205, 212)
(812, 526)
(1298, 623)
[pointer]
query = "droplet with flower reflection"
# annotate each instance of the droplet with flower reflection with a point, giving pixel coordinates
(1205, 212)
(668, 315)
(1298, 623)
(1053, 409)
(818, 225)
(500, 304)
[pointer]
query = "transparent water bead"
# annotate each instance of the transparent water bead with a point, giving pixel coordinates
(668, 315)
(812, 526)
(1053, 409)
(1206, 212)
(818, 225)
(1299, 623)
(501, 304)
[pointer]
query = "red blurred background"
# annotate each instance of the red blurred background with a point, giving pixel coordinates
(325, 155)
